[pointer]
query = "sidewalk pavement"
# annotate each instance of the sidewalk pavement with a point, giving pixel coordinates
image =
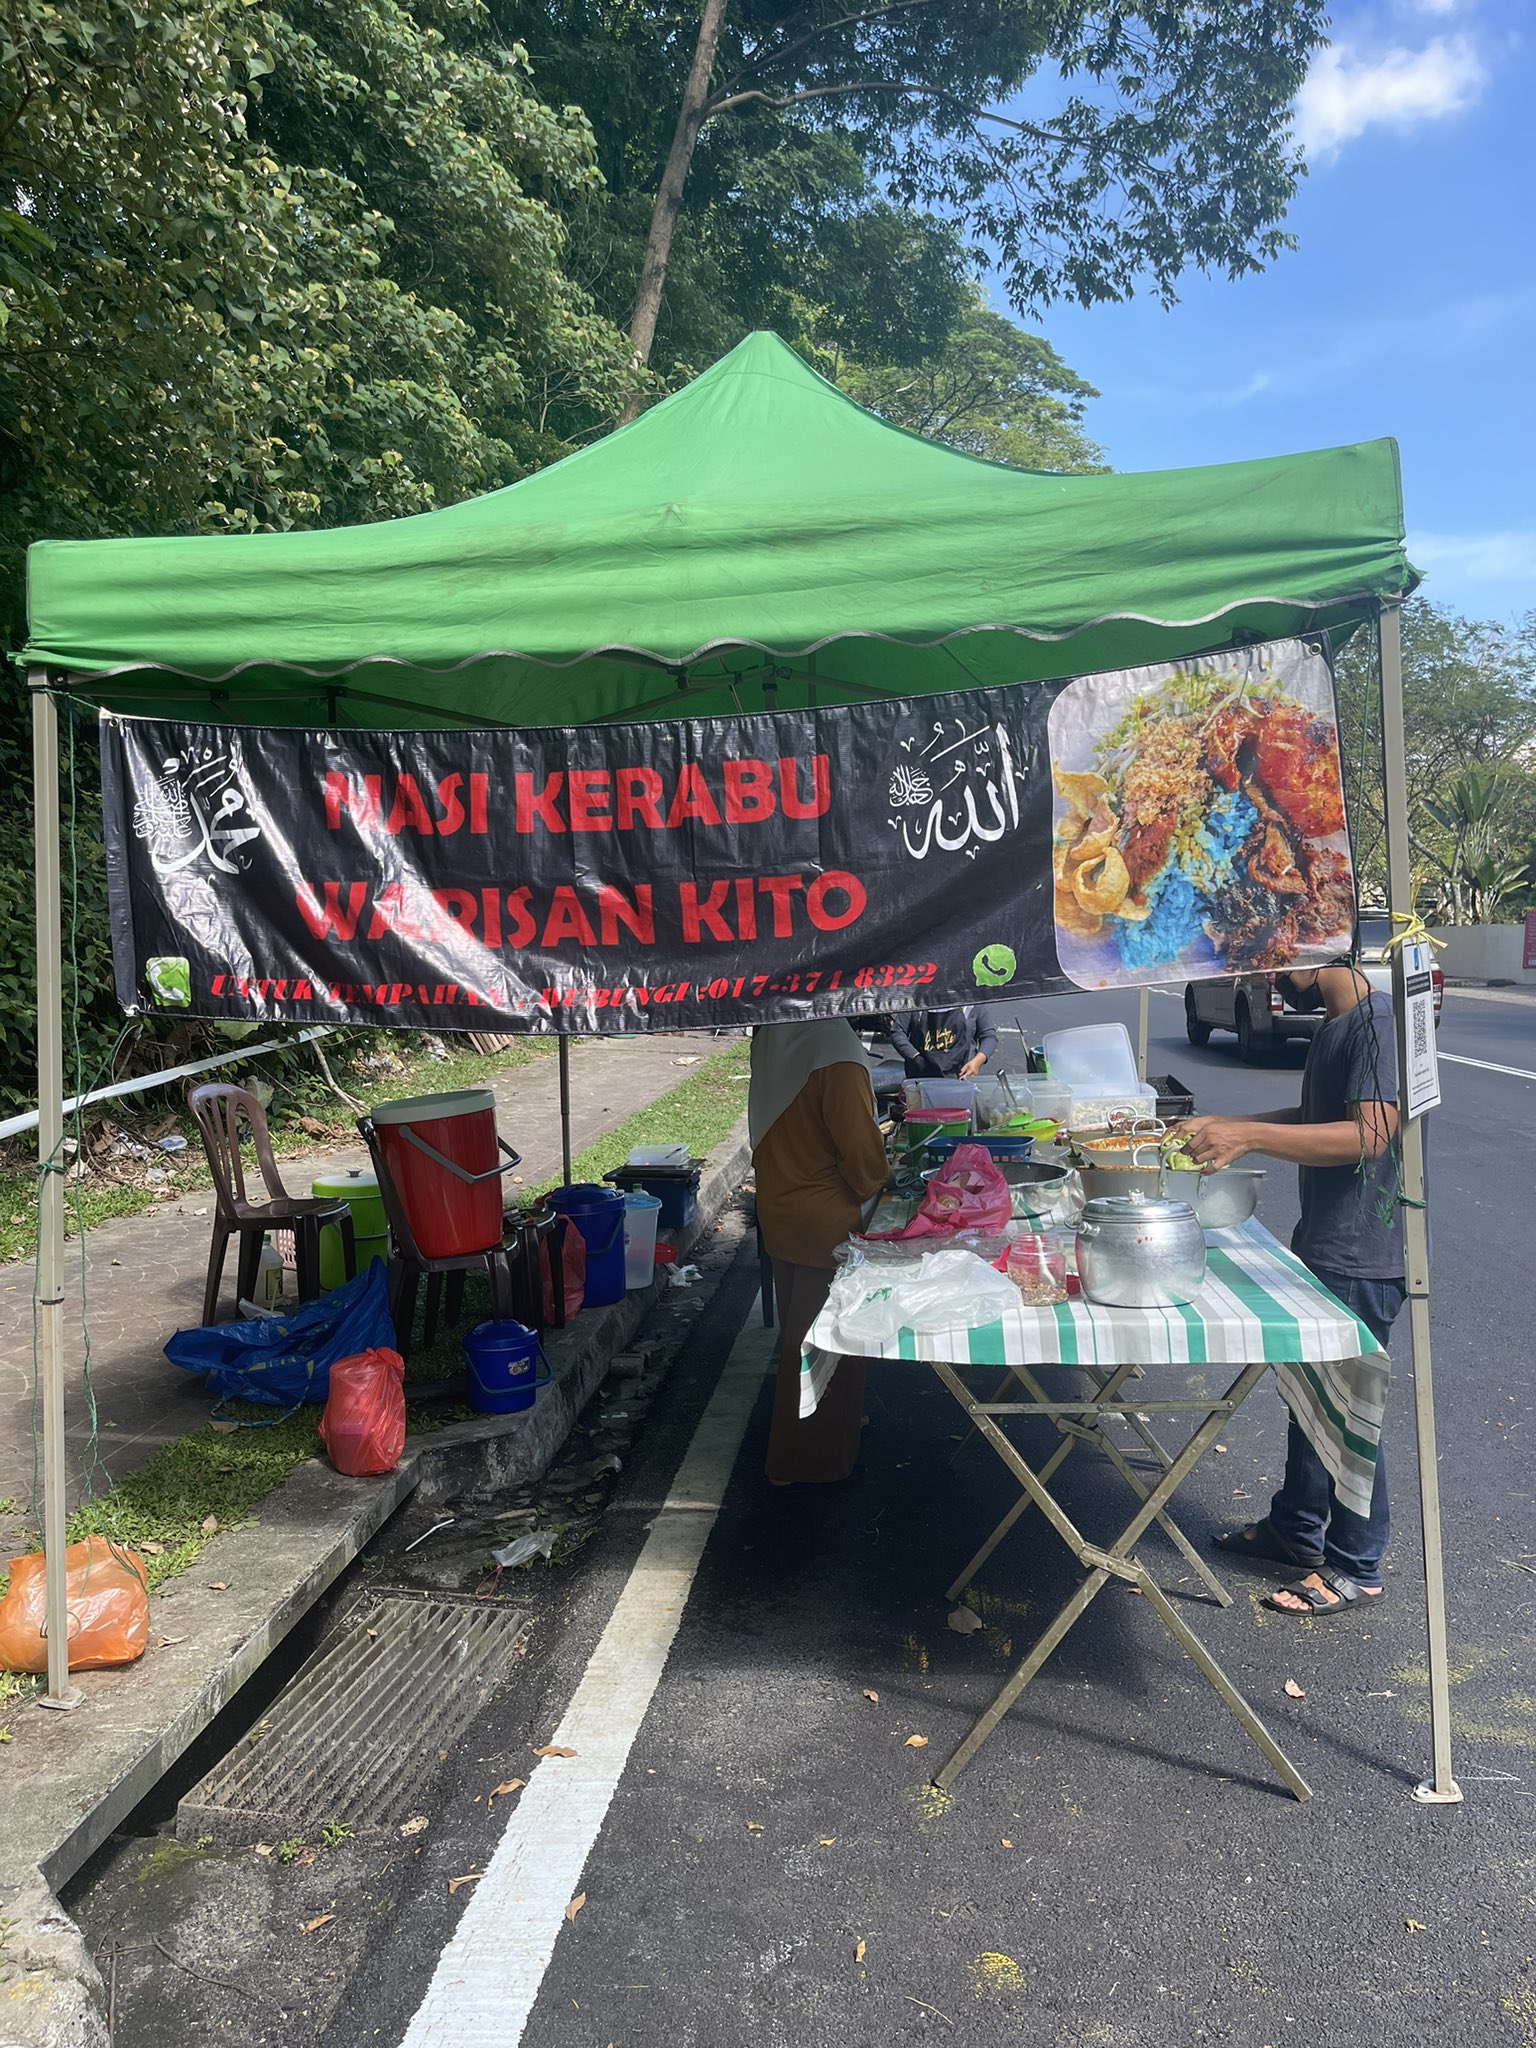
(144, 1274)
(1481, 994)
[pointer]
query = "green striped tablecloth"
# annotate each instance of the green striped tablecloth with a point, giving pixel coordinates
(1258, 1302)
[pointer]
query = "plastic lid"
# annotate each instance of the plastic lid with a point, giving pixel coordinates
(422, 1109)
(1092, 1059)
(350, 1183)
(658, 1155)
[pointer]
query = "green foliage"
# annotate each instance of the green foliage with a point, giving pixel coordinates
(279, 265)
(991, 389)
(1087, 144)
(1469, 713)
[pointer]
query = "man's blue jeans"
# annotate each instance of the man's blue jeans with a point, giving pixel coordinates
(1306, 1510)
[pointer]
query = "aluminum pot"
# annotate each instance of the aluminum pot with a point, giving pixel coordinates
(1229, 1195)
(1135, 1252)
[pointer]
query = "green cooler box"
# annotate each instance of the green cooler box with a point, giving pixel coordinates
(360, 1192)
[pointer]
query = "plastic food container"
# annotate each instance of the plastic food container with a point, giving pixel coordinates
(1049, 1097)
(1121, 1106)
(658, 1155)
(1037, 1266)
(924, 1125)
(946, 1094)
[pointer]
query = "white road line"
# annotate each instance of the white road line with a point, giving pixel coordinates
(1460, 1059)
(488, 1976)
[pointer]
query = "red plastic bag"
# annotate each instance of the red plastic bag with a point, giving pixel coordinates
(573, 1262)
(968, 1193)
(105, 1598)
(363, 1427)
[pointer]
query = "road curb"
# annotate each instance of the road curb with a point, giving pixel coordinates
(208, 1637)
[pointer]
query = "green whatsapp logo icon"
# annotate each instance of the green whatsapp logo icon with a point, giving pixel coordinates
(170, 980)
(994, 966)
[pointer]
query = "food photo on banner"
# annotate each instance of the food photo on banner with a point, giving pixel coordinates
(1088, 832)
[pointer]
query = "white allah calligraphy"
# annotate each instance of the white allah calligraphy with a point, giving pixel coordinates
(195, 810)
(957, 792)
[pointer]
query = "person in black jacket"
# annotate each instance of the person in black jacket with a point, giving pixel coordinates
(945, 1042)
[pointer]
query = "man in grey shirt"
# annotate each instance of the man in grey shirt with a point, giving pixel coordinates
(1343, 1142)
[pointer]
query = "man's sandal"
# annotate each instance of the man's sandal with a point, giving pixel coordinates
(1264, 1541)
(1347, 1592)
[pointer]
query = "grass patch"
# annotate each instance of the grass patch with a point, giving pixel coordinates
(303, 1116)
(698, 1113)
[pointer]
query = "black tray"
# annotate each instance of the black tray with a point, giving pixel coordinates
(1174, 1099)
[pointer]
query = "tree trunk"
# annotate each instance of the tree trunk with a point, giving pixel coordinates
(669, 195)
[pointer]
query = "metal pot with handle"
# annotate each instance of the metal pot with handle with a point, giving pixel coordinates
(1135, 1252)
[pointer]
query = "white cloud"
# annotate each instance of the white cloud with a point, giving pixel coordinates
(1348, 90)
(1505, 555)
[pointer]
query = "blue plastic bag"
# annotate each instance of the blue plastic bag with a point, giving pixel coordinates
(286, 1360)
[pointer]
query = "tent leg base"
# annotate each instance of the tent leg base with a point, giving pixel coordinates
(1426, 1793)
(64, 1702)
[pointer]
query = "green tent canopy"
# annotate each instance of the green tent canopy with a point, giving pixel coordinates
(756, 538)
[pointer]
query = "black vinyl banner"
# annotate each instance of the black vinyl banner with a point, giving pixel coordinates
(1183, 820)
(706, 871)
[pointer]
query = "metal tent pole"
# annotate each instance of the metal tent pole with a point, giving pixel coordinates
(49, 1296)
(565, 1106)
(1442, 1787)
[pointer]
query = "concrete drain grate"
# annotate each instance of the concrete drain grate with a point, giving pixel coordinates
(357, 1733)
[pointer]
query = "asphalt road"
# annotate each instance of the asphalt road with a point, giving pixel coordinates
(1117, 1868)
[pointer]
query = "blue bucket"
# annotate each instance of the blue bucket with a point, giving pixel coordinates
(507, 1367)
(598, 1213)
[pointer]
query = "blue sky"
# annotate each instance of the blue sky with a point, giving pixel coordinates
(1409, 307)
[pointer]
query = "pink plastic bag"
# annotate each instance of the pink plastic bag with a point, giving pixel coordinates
(363, 1427)
(967, 1193)
(573, 1265)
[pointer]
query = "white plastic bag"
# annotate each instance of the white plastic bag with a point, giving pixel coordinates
(946, 1289)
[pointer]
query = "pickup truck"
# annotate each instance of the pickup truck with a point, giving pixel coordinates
(1253, 1007)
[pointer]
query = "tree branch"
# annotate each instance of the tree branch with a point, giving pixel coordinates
(760, 61)
(920, 86)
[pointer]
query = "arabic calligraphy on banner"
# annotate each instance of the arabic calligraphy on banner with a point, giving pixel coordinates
(857, 860)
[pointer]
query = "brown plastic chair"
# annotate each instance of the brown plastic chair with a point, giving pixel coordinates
(503, 1262)
(220, 1111)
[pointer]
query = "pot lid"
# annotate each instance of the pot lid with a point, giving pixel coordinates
(1138, 1209)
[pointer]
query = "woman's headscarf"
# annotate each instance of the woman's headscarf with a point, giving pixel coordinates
(784, 1057)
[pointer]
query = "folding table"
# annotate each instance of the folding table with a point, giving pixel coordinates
(1259, 1310)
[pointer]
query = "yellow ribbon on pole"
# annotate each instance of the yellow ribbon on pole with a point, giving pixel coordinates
(1413, 927)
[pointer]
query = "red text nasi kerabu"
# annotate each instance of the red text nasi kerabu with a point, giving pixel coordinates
(375, 809)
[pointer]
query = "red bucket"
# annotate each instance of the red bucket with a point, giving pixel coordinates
(443, 1158)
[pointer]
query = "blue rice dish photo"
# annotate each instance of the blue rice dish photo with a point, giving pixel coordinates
(1200, 825)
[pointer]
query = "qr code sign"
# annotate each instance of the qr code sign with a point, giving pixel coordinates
(1418, 1017)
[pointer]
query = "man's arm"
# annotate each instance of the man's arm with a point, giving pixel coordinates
(900, 1030)
(1219, 1140)
(986, 1041)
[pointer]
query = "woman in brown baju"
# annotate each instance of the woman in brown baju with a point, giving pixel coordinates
(819, 1160)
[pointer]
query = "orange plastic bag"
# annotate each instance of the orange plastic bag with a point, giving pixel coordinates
(363, 1427)
(105, 1599)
